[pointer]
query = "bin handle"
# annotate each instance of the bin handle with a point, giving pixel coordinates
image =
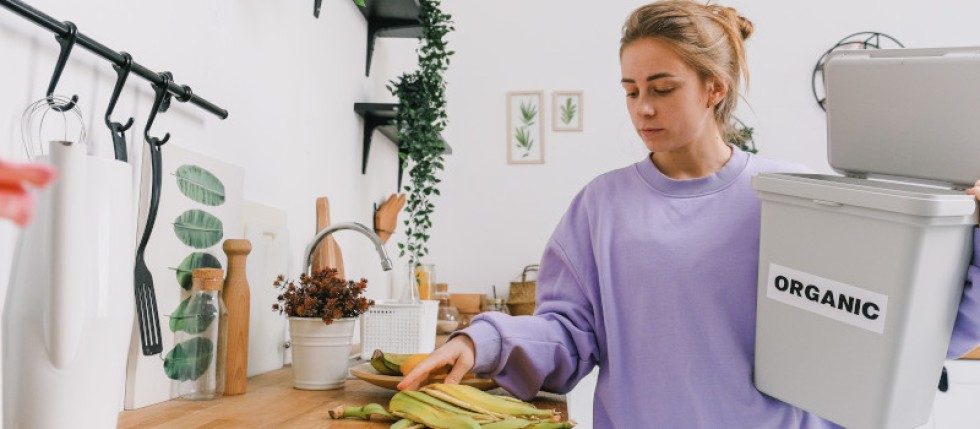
(532, 267)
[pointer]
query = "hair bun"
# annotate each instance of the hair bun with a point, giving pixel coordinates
(744, 26)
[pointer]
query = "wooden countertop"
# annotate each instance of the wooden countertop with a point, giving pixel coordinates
(272, 402)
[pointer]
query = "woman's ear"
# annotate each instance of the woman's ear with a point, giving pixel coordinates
(717, 90)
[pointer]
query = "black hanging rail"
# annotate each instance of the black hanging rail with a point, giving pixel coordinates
(182, 92)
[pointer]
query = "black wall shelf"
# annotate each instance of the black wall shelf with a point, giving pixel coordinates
(390, 18)
(380, 117)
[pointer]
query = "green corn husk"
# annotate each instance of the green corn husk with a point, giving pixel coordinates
(406, 424)
(438, 403)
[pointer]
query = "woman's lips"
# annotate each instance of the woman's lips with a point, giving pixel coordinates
(651, 132)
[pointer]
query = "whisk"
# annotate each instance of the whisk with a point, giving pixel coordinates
(33, 120)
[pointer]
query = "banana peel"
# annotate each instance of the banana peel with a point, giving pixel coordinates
(388, 363)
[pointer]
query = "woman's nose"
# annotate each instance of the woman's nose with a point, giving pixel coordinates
(645, 107)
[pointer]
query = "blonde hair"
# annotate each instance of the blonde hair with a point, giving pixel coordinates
(707, 37)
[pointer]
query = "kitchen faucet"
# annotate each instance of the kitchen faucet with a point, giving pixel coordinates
(385, 261)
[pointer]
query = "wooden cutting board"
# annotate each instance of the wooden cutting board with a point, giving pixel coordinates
(327, 253)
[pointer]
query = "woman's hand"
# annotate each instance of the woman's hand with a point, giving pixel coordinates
(460, 353)
(15, 202)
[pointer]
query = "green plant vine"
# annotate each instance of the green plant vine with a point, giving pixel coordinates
(421, 118)
(523, 133)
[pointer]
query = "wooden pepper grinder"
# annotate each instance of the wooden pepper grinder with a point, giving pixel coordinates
(236, 297)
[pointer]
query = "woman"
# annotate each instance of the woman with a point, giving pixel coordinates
(651, 274)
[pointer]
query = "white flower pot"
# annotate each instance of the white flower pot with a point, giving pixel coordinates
(321, 352)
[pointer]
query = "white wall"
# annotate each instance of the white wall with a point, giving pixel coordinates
(289, 82)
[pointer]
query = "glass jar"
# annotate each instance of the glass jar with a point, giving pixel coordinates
(200, 333)
(448, 320)
(496, 304)
(442, 294)
(425, 277)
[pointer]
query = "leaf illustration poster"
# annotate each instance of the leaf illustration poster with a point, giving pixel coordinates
(200, 207)
(566, 111)
(525, 132)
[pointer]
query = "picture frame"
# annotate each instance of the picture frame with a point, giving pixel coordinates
(525, 130)
(567, 111)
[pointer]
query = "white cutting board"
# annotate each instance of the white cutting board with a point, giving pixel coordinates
(266, 228)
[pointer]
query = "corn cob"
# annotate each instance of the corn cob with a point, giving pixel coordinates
(363, 413)
(475, 400)
(443, 405)
(406, 424)
(407, 407)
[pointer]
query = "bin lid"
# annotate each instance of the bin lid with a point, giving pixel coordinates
(911, 113)
(915, 200)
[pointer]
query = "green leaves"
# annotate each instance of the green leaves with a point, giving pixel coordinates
(198, 229)
(194, 314)
(200, 185)
(568, 111)
(528, 112)
(189, 359)
(359, 3)
(194, 261)
(421, 118)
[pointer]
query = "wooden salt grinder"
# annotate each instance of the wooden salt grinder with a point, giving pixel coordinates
(236, 297)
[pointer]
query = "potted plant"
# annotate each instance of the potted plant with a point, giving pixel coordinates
(322, 308)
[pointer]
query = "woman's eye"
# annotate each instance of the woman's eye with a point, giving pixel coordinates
(631, 94)
(663, 91)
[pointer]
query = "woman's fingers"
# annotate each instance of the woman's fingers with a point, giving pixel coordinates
(16, 203)
(35, 174)
(459, 353)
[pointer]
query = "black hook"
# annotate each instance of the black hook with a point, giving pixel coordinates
(117, 129)
(162, 96)
(122, 72)
(66, 42)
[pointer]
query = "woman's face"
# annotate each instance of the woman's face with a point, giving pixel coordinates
(671, 107)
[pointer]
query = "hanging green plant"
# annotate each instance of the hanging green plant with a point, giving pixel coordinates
(198, 229)
(741, 136)
(200, 185)
(421, 118)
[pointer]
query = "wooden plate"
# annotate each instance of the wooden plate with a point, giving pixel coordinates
(367, 373)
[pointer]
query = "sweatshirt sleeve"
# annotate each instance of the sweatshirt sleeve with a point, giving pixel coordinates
(551, 350)
(966, 330)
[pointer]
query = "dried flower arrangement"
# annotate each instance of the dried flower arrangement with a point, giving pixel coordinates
(324, 294)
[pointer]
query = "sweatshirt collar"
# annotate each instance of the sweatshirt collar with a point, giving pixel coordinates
(693, 187)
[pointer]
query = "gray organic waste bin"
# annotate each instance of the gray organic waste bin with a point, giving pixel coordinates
(860, 280)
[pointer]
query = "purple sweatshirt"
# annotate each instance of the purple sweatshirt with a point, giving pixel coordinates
(654, 280)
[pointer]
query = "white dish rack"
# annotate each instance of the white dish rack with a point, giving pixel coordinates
(399, 328)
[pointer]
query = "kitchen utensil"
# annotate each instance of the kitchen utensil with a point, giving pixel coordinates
(386, 216)
(328, 252)
(236, 296)
(32, 125)
(367, 373)
(146, 299)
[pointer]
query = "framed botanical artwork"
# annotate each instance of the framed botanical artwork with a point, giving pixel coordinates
(566, 111)
(525, 132)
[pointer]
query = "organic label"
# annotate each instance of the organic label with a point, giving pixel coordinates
(835, 300)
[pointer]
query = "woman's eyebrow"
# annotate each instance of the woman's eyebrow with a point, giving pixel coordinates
(649, 78)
